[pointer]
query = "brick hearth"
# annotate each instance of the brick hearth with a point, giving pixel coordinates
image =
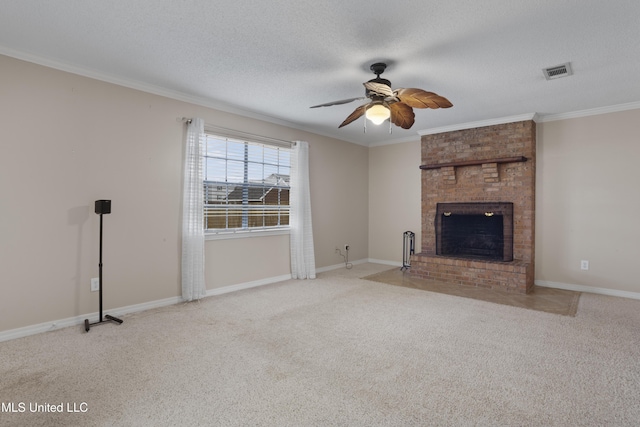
(488, 164)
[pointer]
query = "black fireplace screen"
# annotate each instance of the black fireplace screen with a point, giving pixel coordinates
(475, 230)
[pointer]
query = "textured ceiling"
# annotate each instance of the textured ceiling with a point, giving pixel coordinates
(273, 60)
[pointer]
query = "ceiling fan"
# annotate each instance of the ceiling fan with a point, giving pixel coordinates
(385, 103)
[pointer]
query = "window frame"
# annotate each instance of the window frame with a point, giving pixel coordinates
(236, 136)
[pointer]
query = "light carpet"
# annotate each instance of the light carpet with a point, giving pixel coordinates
(334, 351)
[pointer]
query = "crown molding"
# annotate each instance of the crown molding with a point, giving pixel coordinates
(590, 112)
(479, 124)
(149, 88)
(415, 138)
(536, 117)
(180, 96)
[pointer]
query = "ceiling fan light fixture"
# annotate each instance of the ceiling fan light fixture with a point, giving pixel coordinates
(378, 113)
(388, 104)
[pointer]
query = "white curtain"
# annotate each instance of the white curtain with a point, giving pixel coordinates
(193, 285)
(303, 263)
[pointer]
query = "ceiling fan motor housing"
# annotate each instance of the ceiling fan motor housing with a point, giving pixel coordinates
(377, 68)
(373, 96)
(380, 80)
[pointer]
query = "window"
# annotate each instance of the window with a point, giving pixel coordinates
(246, 185)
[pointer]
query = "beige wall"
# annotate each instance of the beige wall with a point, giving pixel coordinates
(394, 199)
(66, 141)
(587, 201)
(339, 205)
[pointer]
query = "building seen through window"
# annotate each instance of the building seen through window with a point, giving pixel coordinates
(246, 185)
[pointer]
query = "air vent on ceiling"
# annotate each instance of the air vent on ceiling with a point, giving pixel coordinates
(558, 71)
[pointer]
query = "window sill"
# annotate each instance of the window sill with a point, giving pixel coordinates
(224, 235)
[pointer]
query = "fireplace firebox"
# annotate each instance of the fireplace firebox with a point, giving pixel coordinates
(481, 231)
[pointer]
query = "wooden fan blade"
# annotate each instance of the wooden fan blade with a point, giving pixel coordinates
(355, 115)
(344, 101)
(402, 115)
(378, 89)
(418, 98)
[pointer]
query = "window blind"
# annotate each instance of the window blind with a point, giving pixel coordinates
(246, 183)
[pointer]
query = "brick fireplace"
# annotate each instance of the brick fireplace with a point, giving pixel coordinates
(478, 207)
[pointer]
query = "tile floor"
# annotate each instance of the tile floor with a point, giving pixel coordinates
(557, 301)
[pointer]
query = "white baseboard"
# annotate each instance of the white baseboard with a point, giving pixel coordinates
(385, 262)
(79, 320)
(341, 265)
(118, 312)
(587, 289)
(247, 285)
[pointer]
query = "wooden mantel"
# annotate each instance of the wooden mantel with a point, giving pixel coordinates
(474, 162)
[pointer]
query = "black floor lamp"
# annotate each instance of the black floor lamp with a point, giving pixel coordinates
(102, 207)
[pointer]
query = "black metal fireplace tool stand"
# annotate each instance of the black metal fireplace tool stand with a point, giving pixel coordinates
(408, 249)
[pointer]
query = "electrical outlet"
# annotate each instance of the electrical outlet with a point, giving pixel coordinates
(95, 284)
(346, 247)
(584, 264)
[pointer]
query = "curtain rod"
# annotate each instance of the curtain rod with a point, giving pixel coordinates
(239, 134)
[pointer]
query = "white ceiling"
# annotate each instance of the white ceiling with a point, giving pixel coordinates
(274, 59)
